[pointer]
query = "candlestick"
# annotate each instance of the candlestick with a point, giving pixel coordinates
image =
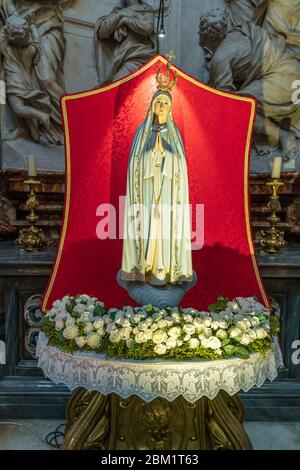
(272, 240)
(276, 168)
(32, 166)
(32, 239)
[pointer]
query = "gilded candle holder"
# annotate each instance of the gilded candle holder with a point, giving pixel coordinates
(272, 240)
(32, 239)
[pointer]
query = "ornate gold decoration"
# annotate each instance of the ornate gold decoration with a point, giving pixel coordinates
(110, 422)
(31, 238)
(164, 78)
(272, 240)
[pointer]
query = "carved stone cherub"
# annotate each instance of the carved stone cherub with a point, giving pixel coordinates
(21, 51)
(124, 40)
(247, 60)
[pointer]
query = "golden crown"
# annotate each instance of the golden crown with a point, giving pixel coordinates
(166, 76)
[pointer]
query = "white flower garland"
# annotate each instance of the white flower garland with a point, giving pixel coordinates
(83, 323)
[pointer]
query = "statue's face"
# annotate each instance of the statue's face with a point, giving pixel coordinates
(17, 30)
(161, 108)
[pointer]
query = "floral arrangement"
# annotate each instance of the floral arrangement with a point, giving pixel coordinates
(230, 328)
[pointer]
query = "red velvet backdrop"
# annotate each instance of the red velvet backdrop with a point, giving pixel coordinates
(99, 127)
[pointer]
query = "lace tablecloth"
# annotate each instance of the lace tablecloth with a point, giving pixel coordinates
(154, 378)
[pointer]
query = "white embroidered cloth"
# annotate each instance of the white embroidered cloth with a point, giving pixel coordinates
(150, 379)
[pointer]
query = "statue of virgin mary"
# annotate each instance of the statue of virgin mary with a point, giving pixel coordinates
(157, 245)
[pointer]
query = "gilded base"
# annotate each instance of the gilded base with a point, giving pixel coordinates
(99, 422)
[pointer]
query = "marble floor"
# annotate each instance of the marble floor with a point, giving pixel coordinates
(30, 434)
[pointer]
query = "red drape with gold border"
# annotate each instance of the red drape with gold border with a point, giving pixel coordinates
(99, 127)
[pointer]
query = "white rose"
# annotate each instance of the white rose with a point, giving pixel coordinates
(159, 336)
(235, 332)
(125, 323)
(59, 325)
(136, 319)
(119, 317)
(219, 351)
(221, 334)
(188, 318)
(115, 336)
(189, 329)
(205, 343)
(86, 317)
(214, 343)
(157, 316)
(260, 333)
(174, 332)
(207, 321)
(160, 349)
(187, 338)
(79, 308)
(170, 321)
(88, 328)
(214, 316)
(125, 333)
(100, 332)
(179, 342)
(70, 321)
(93, 340)
(207, 332)
(252, 335)
(70, 332)
(135, 331)
(198, 324)
(91, 308)
(140, 338)
(215, 325)
(242, 326)
(245, 339)
(194, 343)
(62, 315)
(110, 327)
(106, 318)
(162, 324)
(247, 324)
(57, 304)
(171, 343)
(223, 324)
(255, 321)
(148, 322)
(129, 343)
(234, 306)
(176, 317)
(143, 326)
(98, 323)
(80, 341)
(84, 297)
(149, 335)
(154, 327)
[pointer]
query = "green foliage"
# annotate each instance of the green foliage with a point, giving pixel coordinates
(98, 311)
(275, 325)
(220, 305)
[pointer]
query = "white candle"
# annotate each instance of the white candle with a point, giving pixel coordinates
(276, 168)
(32, 165)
